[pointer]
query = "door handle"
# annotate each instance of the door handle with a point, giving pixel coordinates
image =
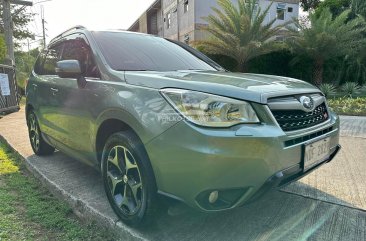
(54, 91)
(35, 85)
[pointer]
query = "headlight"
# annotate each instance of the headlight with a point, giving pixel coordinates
(210, 110)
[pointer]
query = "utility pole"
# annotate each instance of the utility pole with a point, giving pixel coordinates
(43, 27)
(8, 25)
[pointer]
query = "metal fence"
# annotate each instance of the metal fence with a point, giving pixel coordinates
(9, 99)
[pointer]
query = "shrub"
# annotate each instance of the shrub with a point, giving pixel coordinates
(350, 88)
(328, 89)
(348, 106)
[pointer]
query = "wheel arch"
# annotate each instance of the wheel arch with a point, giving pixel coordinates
(28, 108)
(108, 127)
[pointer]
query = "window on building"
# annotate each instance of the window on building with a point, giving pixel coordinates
(168, 20)
(290, 10)
(186, 7)
(281, 8)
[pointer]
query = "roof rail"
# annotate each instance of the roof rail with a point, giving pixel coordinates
(68, 30)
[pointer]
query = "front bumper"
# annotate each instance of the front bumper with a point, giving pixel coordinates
(242, 162)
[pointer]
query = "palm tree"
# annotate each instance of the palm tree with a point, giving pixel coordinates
(325, 38)
(238, 31)
(359, 7)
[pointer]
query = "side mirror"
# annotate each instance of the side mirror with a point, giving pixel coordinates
(68, 69)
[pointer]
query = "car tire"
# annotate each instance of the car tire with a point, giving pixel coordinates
(128, 179)
(39, 145)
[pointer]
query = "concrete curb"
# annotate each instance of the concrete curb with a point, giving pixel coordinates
(81, 209)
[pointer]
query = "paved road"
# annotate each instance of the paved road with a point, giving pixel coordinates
(329, 204)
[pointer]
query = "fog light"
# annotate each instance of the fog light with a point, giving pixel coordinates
(213, 196)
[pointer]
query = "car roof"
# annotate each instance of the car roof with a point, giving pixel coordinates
(77, 28)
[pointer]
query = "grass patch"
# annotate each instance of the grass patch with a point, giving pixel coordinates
(348, 106)
(29, 212)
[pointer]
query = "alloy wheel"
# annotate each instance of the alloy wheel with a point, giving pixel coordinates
(33, 132)
(124, 180)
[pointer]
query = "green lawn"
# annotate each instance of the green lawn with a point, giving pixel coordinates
(29, 212)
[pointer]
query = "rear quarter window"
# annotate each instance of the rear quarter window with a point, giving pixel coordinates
(38, 66)
(46, 63)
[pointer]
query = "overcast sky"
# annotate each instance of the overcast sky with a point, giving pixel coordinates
(94, 14)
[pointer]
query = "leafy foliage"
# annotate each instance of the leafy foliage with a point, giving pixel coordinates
(25, 62)
(21, 19)
(348, 106)
(336, 7)
(359, 7)
(353, 68)
(350, 88)
(309, 4)
(2, 48)
(240, 32)
(328, 89)
(327, 38)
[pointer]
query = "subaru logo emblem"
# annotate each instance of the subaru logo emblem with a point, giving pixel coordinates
(307, 102)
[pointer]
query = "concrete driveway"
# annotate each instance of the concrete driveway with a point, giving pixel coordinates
(329, 204)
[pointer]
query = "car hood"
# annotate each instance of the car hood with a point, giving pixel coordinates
(252, 87)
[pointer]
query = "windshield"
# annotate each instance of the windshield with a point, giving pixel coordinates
(137, 52)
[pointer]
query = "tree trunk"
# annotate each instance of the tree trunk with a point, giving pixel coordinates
(318, 72)
(242, 67)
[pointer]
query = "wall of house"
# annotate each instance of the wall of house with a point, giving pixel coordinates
(160, 23)
(191, 23)
(182, 23)
(169, 6)
(272, 14)
(143, 23)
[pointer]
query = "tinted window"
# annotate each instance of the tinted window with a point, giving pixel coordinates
(128, 51)
(53, 55)
(38, 66)
(77, 48)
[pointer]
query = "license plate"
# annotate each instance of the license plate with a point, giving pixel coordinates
(316, 152)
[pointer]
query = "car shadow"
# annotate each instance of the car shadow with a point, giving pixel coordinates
(276, 216)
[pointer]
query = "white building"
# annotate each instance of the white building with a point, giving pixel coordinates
(183, 19)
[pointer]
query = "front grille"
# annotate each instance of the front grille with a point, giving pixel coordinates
(292, 120)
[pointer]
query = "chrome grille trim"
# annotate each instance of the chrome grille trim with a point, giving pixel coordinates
(293, 103)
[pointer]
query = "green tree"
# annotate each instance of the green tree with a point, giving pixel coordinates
(309, 4)
(327, 38)
(21, 19)
(238, 31)
(358, 7)
(2, 48)
(25, 62)
(336, 7)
